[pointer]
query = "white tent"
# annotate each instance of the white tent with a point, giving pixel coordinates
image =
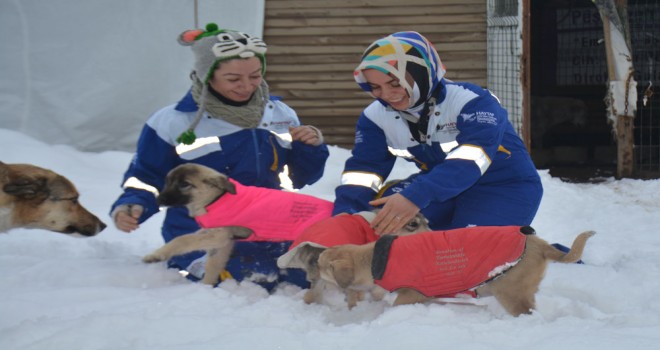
(89, 73)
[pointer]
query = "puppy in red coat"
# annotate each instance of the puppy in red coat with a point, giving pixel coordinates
(487, 261)
(338, 230)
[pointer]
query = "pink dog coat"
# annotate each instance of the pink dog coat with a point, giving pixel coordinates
(446, 263)
(273, 215)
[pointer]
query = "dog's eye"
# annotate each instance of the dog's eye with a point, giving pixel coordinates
(184, 185)
(412, 225)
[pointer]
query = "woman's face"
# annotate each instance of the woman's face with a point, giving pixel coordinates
(387, 88)
(237, 79)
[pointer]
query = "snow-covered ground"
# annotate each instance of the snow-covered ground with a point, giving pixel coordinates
(59, 292)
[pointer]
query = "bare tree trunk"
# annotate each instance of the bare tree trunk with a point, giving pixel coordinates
(622, 92)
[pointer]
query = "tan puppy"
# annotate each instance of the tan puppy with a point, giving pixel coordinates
(350, 267)
(197, 187)
(34, 197)
(341, 229)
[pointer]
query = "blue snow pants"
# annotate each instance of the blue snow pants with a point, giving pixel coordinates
(482, 205)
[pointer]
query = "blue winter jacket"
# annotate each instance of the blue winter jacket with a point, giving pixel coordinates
(470, 141)
(253, 157)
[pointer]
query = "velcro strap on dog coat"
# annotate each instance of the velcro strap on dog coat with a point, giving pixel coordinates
(273, 215)
(445, 263)
(381, 254)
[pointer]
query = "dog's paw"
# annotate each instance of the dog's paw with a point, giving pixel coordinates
(152, 258)
(238, 232)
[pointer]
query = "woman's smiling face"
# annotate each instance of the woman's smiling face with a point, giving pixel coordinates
(387, 88)
(237, 79)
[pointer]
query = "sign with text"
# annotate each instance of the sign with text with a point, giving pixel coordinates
(580, 47)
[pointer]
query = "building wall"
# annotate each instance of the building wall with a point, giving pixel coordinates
(314, 45)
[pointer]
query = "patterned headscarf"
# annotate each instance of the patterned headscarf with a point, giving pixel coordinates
(401, 53)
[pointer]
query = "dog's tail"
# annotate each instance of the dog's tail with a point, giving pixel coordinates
(575, 254)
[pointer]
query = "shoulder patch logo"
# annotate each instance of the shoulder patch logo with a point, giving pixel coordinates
(481, 117)
(358, 137)
(468, 117)
(486, 118)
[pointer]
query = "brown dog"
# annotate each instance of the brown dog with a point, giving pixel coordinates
(34, 197)
(352, 267)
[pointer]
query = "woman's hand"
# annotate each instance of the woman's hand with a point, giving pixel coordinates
(126, 217)
(306, 134)
(397, 211)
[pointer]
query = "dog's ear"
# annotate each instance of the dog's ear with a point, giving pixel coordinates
(310, 254)
(221, 182)
(61, 188)
(27, 187)
(343, 272)
(229, 187)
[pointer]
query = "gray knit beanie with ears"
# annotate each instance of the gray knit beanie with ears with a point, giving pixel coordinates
(210, 47)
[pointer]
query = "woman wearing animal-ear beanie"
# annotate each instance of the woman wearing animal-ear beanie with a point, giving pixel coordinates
(473, 167)
(228, 122)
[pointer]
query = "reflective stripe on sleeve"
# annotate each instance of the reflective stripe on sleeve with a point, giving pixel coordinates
(370, 180)
(199, 142)
(473, 153)
(448, 146)
(400, 152)
(134, 182)
(405, 154)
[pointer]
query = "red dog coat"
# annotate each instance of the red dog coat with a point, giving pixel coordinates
(273, 215)
(337, 230)
(446, 263)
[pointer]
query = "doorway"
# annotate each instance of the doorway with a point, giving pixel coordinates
(570, 133)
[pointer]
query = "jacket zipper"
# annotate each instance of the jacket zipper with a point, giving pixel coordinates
(256, 155)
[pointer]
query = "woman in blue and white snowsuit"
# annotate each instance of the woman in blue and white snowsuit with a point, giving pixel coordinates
(474, 168)
(227, 122)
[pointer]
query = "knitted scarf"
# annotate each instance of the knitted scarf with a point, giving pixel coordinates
(247, 116)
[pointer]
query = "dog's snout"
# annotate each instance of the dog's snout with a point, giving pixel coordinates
(168, 199)
(164, 199)
(87, 229)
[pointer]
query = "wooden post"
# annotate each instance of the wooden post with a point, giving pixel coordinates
(526, 75)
